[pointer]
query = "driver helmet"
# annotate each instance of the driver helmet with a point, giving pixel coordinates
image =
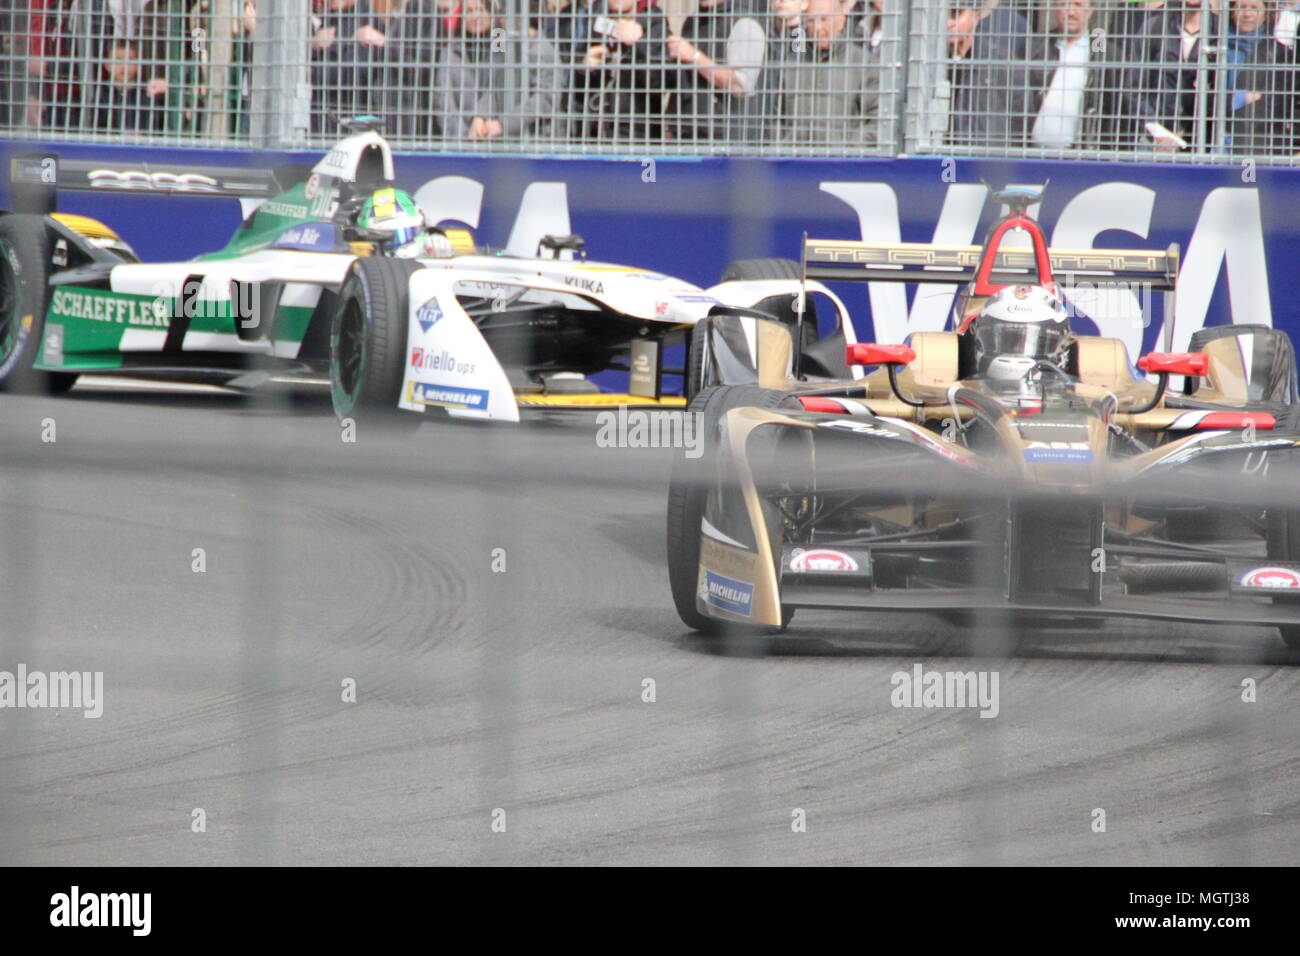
(1020, 326)
(395, 212)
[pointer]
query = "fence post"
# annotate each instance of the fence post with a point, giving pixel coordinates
(897, 30)
(516, 72)
(281, 91)
(216, 128)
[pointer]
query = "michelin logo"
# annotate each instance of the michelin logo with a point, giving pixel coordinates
(450, 396)
(727, 594)
(429, 314)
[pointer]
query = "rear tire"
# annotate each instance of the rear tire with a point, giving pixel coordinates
(752, 269)
(24, 299)
(688, 493)
(368, 337)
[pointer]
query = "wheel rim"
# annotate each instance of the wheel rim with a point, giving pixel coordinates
(13, 333)
(348, 356)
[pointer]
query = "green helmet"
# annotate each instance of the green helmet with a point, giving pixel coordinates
(394, 211)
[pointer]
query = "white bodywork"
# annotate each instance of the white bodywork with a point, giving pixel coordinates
(455, 354)
(448, 363)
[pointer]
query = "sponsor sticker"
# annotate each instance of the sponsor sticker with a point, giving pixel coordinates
(449, 396)
(594, 286)
(1058, 452)
(727, 594)
(385, 203)
(1270, 579)
(429, 314)
(339, 160)
(439, 361)
(313, 237)
(154, 179)
(53, 354)
(136, 311)
(821, 559)
(289, 210)
(643, 379)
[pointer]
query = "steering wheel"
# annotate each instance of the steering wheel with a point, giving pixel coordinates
(1046, 366)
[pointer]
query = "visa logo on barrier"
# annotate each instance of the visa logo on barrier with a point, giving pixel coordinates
(1228, 237)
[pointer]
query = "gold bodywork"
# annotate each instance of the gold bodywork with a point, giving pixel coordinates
(1103, 369)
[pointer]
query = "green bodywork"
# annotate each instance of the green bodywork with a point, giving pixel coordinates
(273, 217)
(85, 328)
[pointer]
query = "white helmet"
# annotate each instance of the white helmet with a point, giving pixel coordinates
(1018, 327)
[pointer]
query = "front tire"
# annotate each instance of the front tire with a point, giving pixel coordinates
(24, 299)
(368, 337)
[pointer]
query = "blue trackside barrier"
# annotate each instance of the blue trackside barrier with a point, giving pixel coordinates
(1237, 226)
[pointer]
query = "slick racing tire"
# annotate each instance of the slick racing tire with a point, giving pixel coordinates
(695, 359)
(368, 337)
(24, 297)
(1272, 359)
(750, 269)
(688, 492)
(759, 269)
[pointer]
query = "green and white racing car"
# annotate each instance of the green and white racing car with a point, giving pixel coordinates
(335, 277)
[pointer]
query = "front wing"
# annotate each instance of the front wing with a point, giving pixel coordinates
(1031, 550)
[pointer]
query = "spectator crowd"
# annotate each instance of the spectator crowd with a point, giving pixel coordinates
(1209, 77)
(1206, 76)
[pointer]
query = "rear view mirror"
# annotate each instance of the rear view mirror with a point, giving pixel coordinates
(869, 353)
(1175, 363)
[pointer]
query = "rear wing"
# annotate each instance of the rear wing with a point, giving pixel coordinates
(841, 260)
(35, 179)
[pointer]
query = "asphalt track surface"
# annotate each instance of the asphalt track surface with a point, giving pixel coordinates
(522, 690)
